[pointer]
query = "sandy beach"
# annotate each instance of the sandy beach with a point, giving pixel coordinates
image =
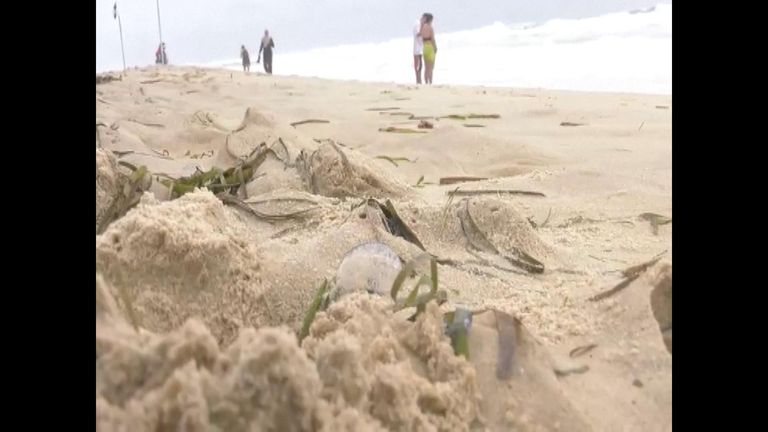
(536, 204)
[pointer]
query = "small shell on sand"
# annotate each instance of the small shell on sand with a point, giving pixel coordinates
(372, 267)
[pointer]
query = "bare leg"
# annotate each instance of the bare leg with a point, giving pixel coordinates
(429, 67)
(417, 67)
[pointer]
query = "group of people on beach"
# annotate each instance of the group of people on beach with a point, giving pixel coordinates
(160, 56)
(424, 50)
(267, 43)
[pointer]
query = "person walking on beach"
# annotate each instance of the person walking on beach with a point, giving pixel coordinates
(246, 59)
(266, 45)
(430, 47)
(418, 49)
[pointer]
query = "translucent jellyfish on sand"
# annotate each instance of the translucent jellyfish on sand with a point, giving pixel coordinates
(370, 267)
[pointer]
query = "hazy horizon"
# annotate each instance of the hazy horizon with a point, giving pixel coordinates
(209, 31)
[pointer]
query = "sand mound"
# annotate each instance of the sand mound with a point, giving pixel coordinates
(291, 261)
(183, 381)
(109, 183)
(295, 161)
(116, 191)
(276, 171)
(306, 259)
(254, 117)
(515, 372)
(405, 375)
(324, 169)
(487, 226)
(333, 172)
(188, 257)
(254, 129)
(361, 369)
(504, 227)
(257, 128)
(193, 257)
(271, 176)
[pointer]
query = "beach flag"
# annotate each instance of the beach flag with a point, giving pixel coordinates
(114, 9)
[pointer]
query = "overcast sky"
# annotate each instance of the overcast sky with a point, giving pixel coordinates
(200, 31)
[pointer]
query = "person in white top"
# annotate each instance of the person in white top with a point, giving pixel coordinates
(418, 49)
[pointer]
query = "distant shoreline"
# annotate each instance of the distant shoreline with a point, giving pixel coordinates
(140, 69)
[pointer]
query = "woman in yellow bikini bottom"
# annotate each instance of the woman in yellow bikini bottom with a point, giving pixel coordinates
(429, 53)
(430, 47)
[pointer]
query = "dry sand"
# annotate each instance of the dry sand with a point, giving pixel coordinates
(218, 295)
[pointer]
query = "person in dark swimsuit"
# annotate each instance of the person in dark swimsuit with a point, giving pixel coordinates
(430, 47)
(266, 46)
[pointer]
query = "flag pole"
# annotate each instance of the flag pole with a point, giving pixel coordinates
(120, 26)
(159, 28)
(122, 48)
